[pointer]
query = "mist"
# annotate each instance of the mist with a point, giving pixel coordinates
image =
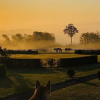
(33, 45)
(39, 40)
(47, 45)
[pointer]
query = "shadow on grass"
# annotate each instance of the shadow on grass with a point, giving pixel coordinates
(54, 87)
(6, 82)
(83, 68)
(75, 81)
(54, 70)
(89, 83)
(20, 86)
(32, 70)
(21, 83)
(59, 69)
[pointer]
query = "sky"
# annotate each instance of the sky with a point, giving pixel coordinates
(49, 16)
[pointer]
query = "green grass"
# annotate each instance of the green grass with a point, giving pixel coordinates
(21, 80)
(54, 52)
(84, 91)
(45, 56)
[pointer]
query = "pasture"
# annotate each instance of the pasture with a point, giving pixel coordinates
(20, 80)
(46, 56)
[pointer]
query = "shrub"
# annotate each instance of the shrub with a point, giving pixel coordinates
(58, 63)
(51, 62)
(98, 75)
(78, 52)
(70, 73)
(2, 71)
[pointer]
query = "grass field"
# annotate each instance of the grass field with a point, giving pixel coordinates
(84, 91)
(20, 80)
(45, 56)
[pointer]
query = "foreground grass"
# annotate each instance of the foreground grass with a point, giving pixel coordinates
(21, 80)
(84, 91)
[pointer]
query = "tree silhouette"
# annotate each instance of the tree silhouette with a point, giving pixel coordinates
(38, 36)
(6, 39)
(70, 73)
(17, 38)
(4, 53)
(89, 38)
(70, 30)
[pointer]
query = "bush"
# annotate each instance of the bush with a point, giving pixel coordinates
(78, 52)
(70, 73)
(78, 61)
(2, 71)
(51, 62)
(98, 75)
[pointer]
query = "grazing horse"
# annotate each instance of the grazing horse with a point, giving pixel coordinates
(58, 49)
(68, 49)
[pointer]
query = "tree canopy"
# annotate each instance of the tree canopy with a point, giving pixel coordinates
(89, 38)
(37, 39)
(36, 36)
(70, 30)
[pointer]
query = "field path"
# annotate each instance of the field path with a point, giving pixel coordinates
(54, 87)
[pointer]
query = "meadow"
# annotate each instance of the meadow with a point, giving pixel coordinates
(20, 80)
(46, 56)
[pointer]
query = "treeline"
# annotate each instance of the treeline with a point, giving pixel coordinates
(24, 41)
(85, 38)
(36, 36)
(45, 40)
(90, 38)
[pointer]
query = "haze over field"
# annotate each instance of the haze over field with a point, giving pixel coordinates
(26, 16)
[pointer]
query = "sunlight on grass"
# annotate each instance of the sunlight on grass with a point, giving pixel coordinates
(45, 56)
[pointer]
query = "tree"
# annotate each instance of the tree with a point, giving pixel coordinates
(3, 53)
(29, 39)
(70, 30)
(17, 38)
(6, 39)
(38, 36)
(70, 73)
(89, 38)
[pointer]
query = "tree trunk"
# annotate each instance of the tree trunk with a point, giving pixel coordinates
(71, 40)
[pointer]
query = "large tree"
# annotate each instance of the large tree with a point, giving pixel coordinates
(38, 36)
(70, 30)
(89, 38)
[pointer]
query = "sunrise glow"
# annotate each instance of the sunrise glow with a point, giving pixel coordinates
(51, 16)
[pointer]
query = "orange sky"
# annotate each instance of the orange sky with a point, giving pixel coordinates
(51, 16)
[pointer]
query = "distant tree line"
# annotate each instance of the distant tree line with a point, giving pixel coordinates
(90, 38)
(26, 38)
(85, 38)
(45, 38)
